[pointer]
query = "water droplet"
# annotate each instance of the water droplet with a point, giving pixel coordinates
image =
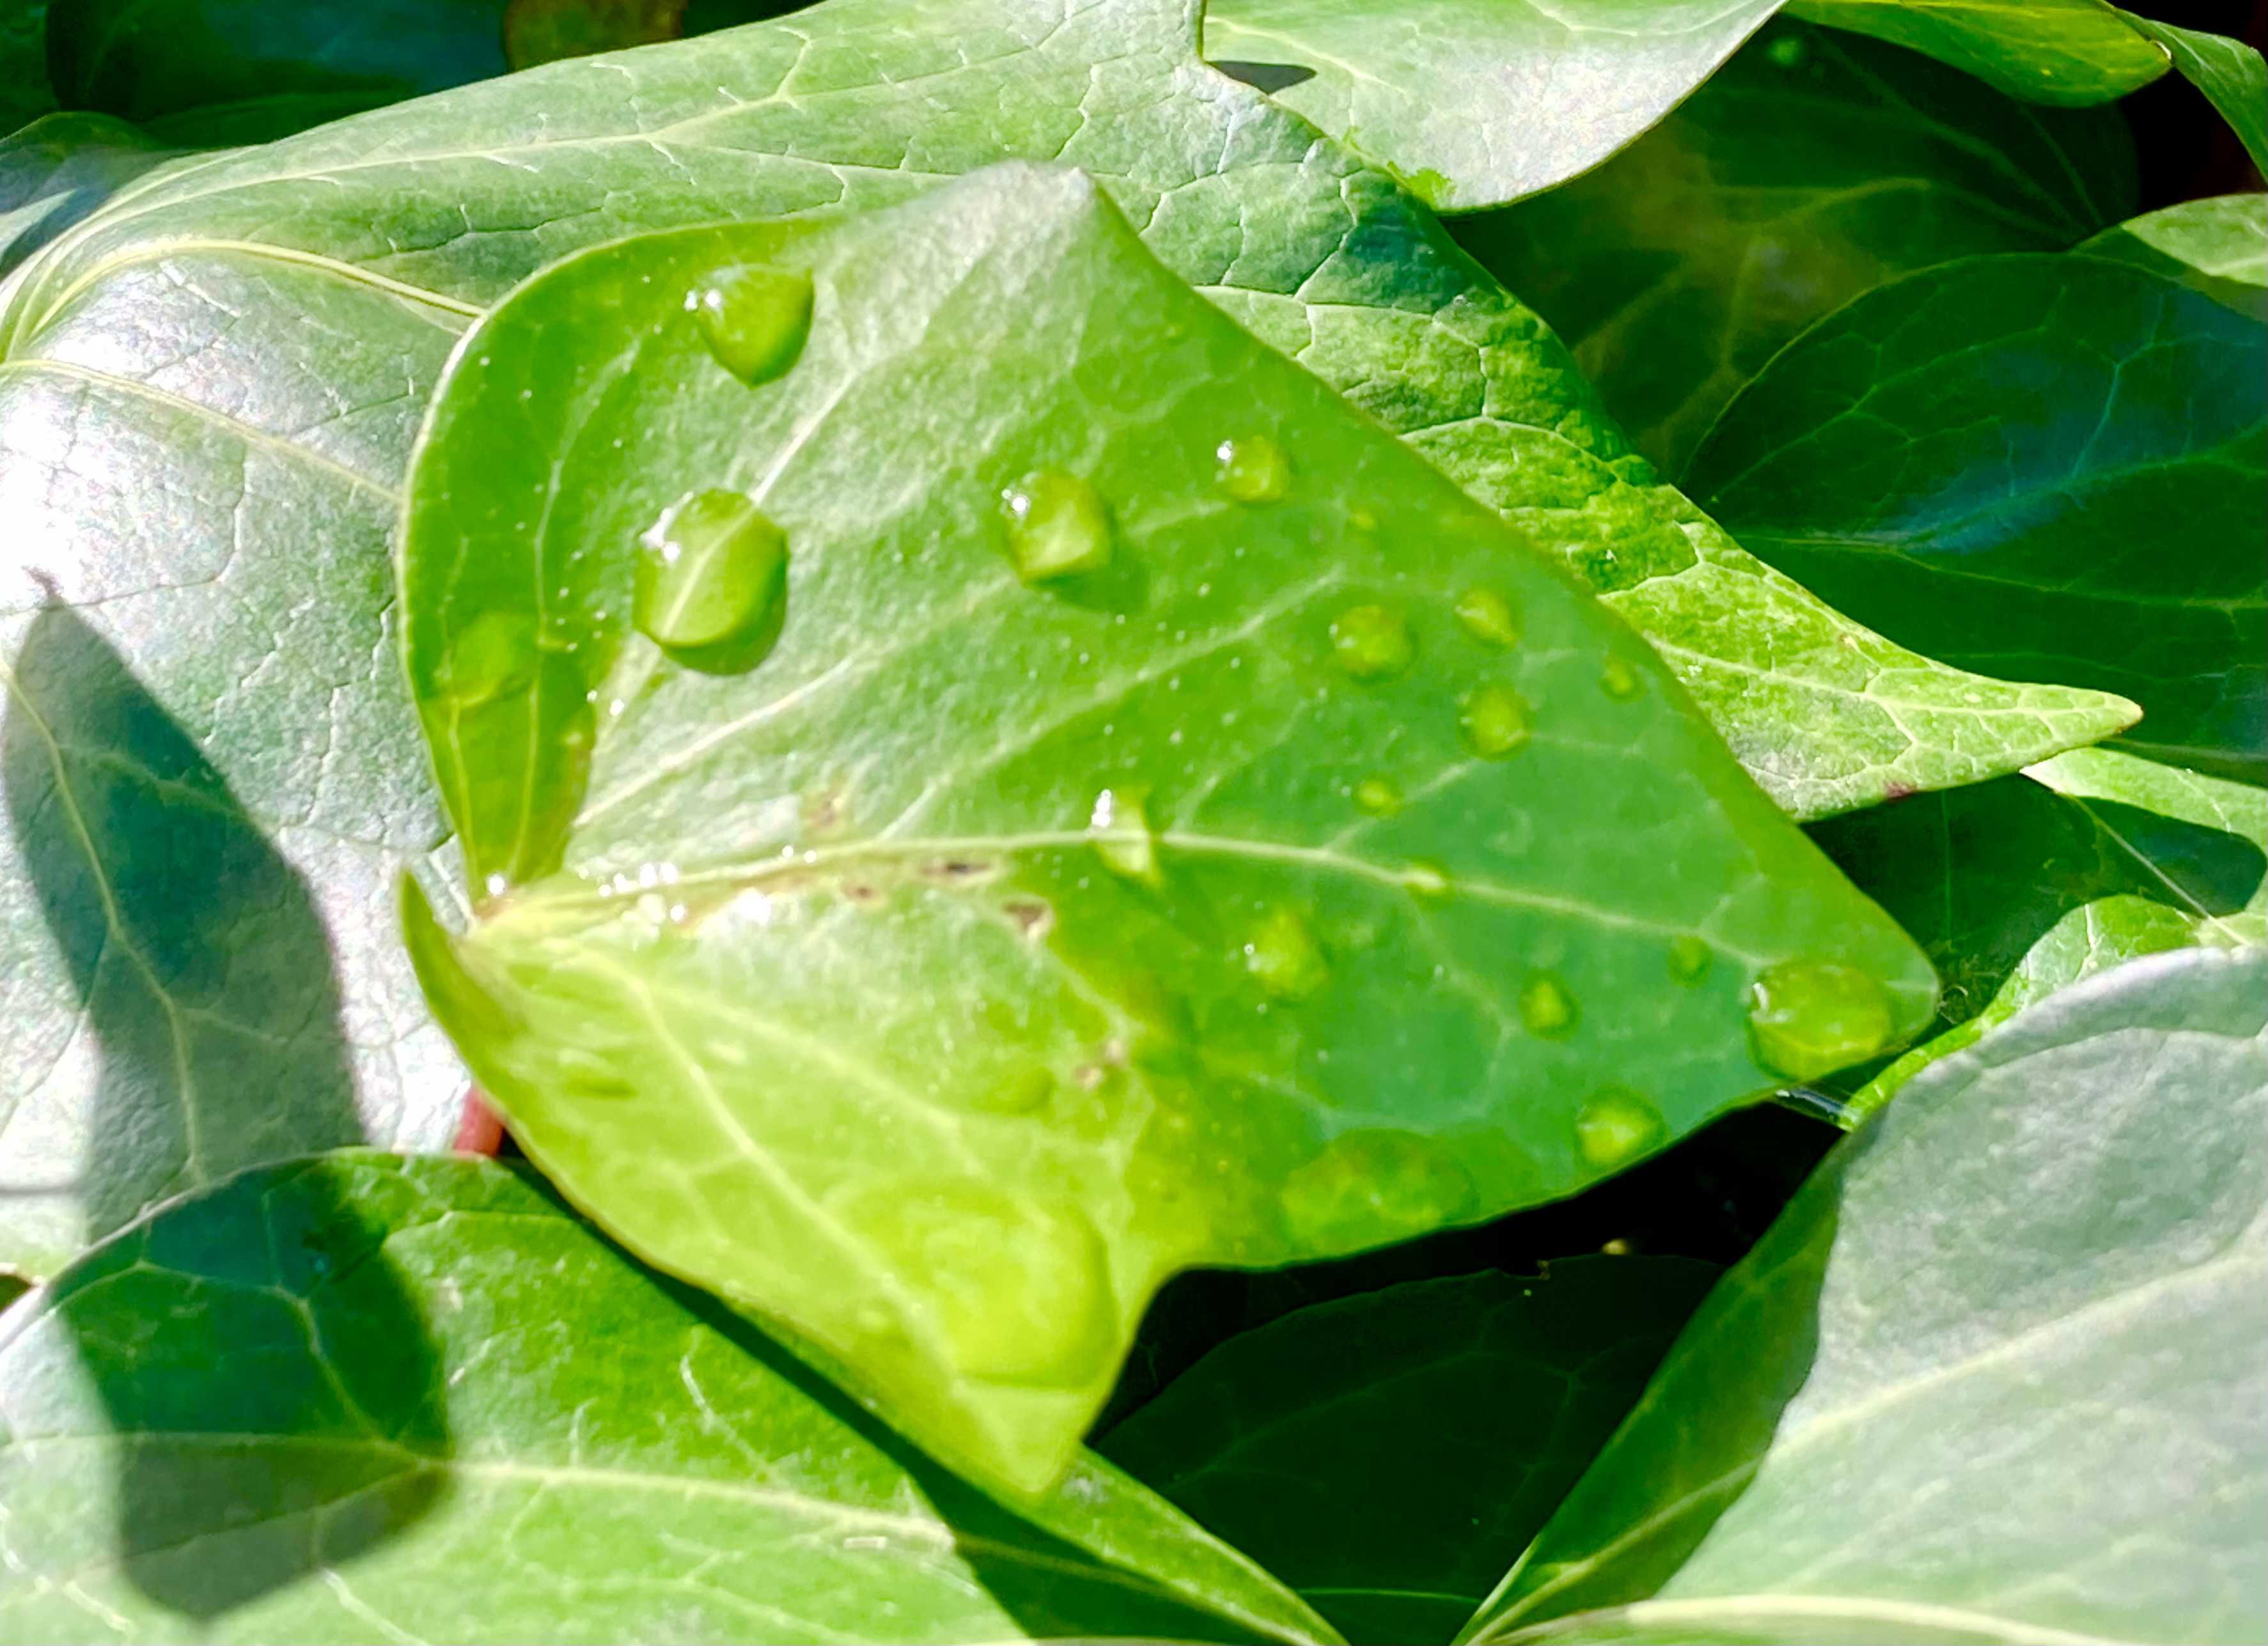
(1616, 1126)
(1019, 1291)
(1284, 958)
(1372, 643)
(1427, 880)
(1253, 469)
(497, 884)
(1058, 526)
(1494, 721)
(1619, 680)
(1689, 959)
(755, 320)
(1371, 1186)
(1019, 1093)
(1124, 838)
(1788, 51)
(494, 655)
(714, 573)
(1488, 617)
(1810, 1018)
(1377, 797)
(1547, 1008)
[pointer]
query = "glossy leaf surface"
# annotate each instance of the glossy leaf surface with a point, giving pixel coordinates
(2231, 75)
(363, 1397)
(58, 170)
(1066, 886)
(1815, 165)
(2218, 246)
(2050, 467)
(2049, 51)
(2019, 887)
(1992, 1376)
(1391, 1453)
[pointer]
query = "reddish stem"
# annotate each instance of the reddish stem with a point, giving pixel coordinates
(480, 1132)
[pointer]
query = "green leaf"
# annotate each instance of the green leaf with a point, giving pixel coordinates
(1389, 1455)
(2218, 247)
(1475, 102)
(365, 1398)
(2231, 75)
(25, 94)
(2043, 466)
(2047, 51)
(58, 170)
(1141, 909)
(2022, 886)
(1992, 1376)
(1814, 166)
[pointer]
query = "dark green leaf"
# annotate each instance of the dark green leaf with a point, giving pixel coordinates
(25, 94)
(1143, 911)
(2050, 467)
(2231, 75)
(364, 1398)
(2218, 246)
(1814, 166)
(2049, 51)
(1390, 1454)
(2021, 887)
(1993, 1376)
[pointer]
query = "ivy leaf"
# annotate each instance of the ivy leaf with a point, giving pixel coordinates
(1457, 1412)
(2232, 76)
(363, 1397)
(2047, 51)
(2220, 246)
(2023, 886)
(1814, 166)
(1112, 857)
(1965, 1388)
(2046, 466)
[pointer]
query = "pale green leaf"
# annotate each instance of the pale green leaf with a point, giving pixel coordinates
(2049, 51)
(363, 1397)
(1994, 1375)
(2218, 246)
(1145, 913)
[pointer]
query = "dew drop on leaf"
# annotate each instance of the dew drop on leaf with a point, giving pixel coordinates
(1811, 1018)
(1124, 838)
(755, 320)
(1689, 959)
(1252, 469)
(1369, 1187)
(494, 656)
(1547, 1008)
(1058, 526)
(1616, 1126)
(1619, 680)
(1488, 617)
(1377, 797)
(714, 573)
(1494, 721)
(1372, 643)
(1284, 958)
(1427, 880)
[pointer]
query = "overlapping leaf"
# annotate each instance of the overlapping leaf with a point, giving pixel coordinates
(1318, 870)
(1994, 1376)
(365, 1398)
(2231, 75)
(2218, 246)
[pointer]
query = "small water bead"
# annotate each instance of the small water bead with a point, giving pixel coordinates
(1377, 797)
(1619, 680)
(1372, 643)
(1811, 1018)
(1373, 1186)
(714, 573)
(1488, 617)
(1689, 961)
(1546, 1007)
(1616, 1126)
(1427, 880)
(1284, 958)
(755, 320)
(1058, 526)
(1252, 469)
(1494, 719)
(495, 654)
(1125, 839)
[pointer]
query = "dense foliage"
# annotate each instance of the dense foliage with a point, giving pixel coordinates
(1375, 821)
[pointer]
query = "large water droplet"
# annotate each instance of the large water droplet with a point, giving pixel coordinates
(1124, 838)
(1494, 720)
(1284, 957)
(1372, 643)
(1616, 1126)
(1018, 1289)
(1488, 617)
(1378, 796)
(713, 574)
(1058, 526)
(1811, 1018)
(755, 320)
(1253, 469)
(1371, 1186)
(1547, 1008)
(495, 654)
(1689, 959)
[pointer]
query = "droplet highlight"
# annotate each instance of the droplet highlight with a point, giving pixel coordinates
(1284, 958)
(1124, 838)
(1058, 526)
(1252, 468)
(1546, 1008)
(1372, 643)
(1616, 1127)
(1488, 617)
(753, 321)
(1811, 1018)
(1494, 721)
(713, 574)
